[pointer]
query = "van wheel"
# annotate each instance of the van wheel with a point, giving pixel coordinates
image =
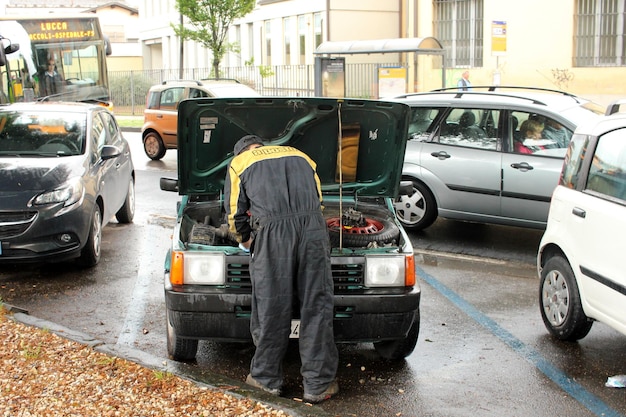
(418, 210)
(399, 349)
(559, 298)
(153, 146)
(178, 348)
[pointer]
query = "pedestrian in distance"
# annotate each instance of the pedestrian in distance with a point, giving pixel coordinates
(464, 83)
(272, 198)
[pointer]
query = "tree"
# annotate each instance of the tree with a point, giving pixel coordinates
(210, 21)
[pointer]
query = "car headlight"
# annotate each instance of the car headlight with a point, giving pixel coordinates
(385, 271)
(68, 194)
(203, 268)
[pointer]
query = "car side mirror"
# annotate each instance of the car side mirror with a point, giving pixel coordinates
(406, 188)
(168, 184)
(110, 152)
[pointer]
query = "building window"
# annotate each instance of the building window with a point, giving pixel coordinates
(237, 29)
(600, 39)
(302, 39)
(268, 43)
(317, 18)
(459, 27)
(287, 39)
(250, 43)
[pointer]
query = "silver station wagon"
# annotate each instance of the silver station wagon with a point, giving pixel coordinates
(489, 155)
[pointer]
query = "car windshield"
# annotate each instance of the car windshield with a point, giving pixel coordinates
(583, 114)
(41, 133)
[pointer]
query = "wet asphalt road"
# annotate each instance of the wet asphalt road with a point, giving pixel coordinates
(482, 350)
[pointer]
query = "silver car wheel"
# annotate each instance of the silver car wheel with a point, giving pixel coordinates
(555, 298)
(410, 209)
(418, 210)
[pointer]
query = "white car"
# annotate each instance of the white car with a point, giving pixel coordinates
(580, 264)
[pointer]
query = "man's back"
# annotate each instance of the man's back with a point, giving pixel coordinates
(277, 180)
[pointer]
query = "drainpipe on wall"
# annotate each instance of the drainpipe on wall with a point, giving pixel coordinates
(327, 22)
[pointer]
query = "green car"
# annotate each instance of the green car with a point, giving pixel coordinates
(358, 146)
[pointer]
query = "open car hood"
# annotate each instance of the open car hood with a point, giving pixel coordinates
(372, 141)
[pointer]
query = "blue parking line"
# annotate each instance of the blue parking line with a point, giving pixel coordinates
(567, 384)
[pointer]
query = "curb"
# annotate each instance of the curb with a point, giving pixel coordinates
(182, 370)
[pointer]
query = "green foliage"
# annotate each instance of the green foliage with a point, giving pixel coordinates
(266, 71)
(31, 352)
(128, 88)
(208, 23)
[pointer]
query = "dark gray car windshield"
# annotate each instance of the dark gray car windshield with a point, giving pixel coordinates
(41, 133)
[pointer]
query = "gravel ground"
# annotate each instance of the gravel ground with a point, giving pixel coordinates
(43, 374)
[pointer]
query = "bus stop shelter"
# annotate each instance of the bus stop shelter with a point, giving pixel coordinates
(423, 46)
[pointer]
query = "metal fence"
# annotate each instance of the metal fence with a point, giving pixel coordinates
(129, 88)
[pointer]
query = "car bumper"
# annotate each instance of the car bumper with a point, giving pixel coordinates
(49, 237)
(224, 315)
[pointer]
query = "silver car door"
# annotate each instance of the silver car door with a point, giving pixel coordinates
(461, 165)
(529, 179)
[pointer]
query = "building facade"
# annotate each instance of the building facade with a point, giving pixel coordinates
(573, 45)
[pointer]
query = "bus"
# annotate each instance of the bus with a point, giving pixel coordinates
(60, 58)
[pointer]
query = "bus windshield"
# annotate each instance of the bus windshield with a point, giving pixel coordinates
(59, 59)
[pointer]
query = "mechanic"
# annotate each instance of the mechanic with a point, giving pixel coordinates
(278, 187)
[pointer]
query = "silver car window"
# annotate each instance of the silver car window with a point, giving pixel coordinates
(471, 128)
(537, 134)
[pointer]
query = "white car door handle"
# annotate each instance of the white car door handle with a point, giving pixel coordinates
(579, 212)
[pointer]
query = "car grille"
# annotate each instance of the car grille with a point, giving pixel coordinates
(346, 276)
(15, 223)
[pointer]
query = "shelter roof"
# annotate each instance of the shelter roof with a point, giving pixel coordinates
(428, 45)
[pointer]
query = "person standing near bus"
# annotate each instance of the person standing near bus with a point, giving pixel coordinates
(51, 82)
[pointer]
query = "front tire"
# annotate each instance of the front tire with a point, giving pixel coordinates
(153, 146)
(399, 349)
(127, 212)
(417, 211)
(90, 254)
(559, 300)
(178, 348)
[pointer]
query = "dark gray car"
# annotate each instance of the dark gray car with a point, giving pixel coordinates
(65, 170)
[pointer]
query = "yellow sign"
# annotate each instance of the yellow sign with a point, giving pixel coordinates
(498, 38)
(391, 81)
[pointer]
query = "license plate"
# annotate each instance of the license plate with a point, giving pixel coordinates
(295, 329)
